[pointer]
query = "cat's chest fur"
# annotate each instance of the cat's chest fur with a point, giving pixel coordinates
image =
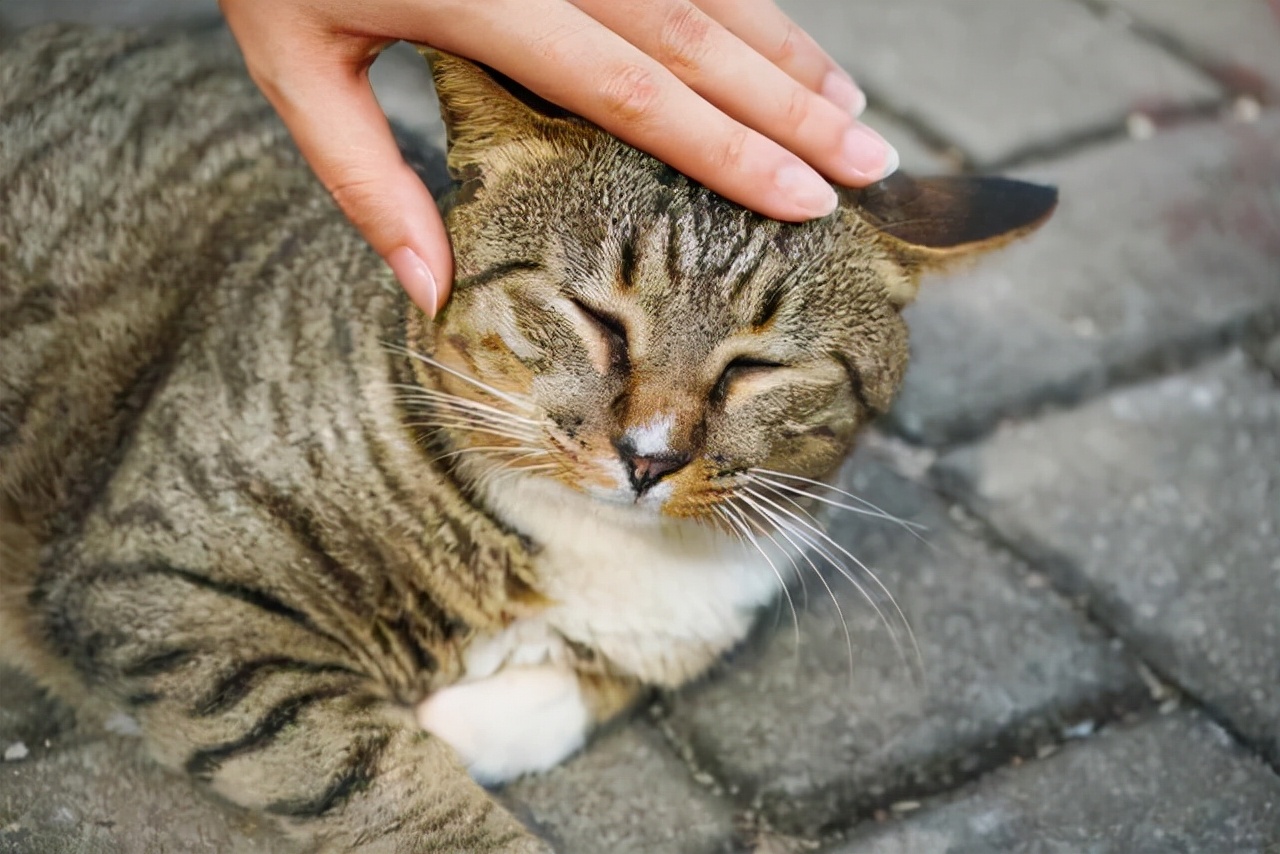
(661, 599)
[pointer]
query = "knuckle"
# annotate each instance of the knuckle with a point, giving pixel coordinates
(730, 154)
(629, 93)
(355, 197)
(799, 107)
(789, 47)
(685, 38)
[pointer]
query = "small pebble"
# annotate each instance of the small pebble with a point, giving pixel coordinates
(902, 807)
(1140, 126)
(1084, 729)
(16, 752)
(1246, 109)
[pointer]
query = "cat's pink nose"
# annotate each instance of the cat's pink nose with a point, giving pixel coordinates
(646, 470)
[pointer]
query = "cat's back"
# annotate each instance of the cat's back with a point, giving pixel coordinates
(132, 172)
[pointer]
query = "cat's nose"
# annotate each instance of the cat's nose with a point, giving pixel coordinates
(645, 470)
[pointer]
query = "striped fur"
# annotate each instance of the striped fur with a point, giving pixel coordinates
(250, 496)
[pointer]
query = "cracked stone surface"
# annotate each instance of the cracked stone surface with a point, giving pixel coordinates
(1237, 40)
(1161, 505)
(1113, 794)
(1075, 72)
(814, 739)
(1159, 250)
(19, 14)
(1108, 590)
(590, 805)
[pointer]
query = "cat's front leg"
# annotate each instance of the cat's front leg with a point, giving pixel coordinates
(352, 773)
(522, 720)
(269, 712)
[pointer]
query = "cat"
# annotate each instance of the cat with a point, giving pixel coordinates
(344, 564)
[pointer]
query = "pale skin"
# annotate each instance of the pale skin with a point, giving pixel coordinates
(729, 92)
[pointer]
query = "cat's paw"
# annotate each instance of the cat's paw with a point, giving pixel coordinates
(518, 720)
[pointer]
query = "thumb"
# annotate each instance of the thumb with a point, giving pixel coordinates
(334, 117)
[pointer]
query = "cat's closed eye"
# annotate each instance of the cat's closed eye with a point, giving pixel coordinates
(742, 367)
(610, 328)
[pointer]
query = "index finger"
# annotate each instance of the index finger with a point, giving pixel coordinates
(635, 98)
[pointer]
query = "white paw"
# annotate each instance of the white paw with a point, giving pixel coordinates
(518, 720)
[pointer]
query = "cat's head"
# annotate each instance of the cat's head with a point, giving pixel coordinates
(631, 334)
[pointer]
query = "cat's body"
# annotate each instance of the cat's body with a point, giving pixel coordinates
(235, 506)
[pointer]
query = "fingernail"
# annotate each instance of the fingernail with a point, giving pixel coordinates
(806, 189)
(415, 277)
(839, 89)
(868, 155)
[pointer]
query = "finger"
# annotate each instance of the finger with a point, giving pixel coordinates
(763, 26)
(635, 98)
(330, 109)
(744, 84)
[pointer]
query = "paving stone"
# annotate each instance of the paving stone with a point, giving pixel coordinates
(627, 794)
(818, 735)
(18, 14)
(1117, 793)
(402, 82)
(951, 66)
(1161, 503)
(1238, 40)
(1159, 250)
(1268, 355)
(917, 157)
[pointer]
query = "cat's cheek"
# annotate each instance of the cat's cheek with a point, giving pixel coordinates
(517, 721)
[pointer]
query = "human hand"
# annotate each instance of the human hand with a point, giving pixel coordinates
(729, 92)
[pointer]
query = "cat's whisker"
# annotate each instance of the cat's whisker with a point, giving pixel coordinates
(802, 548)
(444, 398)
(902, 617)
(805, 528)
(491, 449)
(804, 587)
(732, 513)
(868, 508)
(873, 508)
(483, 386)
(472, 426)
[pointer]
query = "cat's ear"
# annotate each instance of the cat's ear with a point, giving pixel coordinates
(493, 123)
(928, 223)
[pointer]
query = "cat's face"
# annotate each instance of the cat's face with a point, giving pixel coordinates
(646, 342)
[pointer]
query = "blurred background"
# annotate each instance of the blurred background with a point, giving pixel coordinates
(1090, 431)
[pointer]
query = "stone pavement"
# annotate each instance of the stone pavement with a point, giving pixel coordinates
(1090, 434)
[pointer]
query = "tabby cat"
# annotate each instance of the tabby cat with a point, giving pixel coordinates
(344, 564)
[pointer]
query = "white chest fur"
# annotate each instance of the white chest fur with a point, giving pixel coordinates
(661, 598)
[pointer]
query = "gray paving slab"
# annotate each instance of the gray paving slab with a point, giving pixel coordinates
(403, 85)
(18, 14)
(1237, 40)
(818, 734)
(1268, 354)
(1159, 251)
(627, 794)
(1161, 505)
(1116, 793)
(1000, 77)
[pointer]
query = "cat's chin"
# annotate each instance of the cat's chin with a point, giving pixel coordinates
(647, 506)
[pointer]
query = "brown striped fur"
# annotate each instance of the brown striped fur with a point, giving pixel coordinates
(219, 509)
